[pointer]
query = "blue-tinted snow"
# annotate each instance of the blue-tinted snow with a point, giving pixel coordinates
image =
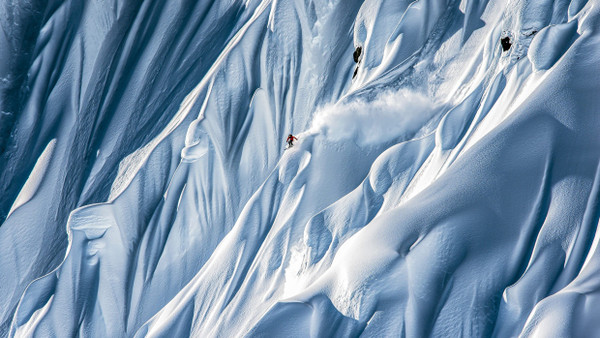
(449, 189)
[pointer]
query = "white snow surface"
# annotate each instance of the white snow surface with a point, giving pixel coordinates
(449, 189)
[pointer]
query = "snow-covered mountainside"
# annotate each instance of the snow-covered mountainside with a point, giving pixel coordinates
(445, 181)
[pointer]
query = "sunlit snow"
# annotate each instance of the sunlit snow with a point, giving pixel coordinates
(445, 184)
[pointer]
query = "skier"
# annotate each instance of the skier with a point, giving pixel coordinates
(290, 140)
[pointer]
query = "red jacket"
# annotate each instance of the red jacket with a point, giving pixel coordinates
(291, 138)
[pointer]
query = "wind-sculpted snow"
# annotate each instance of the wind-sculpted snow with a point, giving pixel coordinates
(440, 186)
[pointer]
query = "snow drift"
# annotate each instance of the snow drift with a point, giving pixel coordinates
(449, 188)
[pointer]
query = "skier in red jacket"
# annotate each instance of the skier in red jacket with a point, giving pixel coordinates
(290, 140)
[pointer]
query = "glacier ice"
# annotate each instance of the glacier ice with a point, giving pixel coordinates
(448, 189)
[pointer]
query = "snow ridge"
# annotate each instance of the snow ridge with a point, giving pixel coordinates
(448, 188)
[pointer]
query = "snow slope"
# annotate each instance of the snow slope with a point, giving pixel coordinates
(449, 189)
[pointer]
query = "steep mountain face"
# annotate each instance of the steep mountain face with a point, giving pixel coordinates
(445, 184)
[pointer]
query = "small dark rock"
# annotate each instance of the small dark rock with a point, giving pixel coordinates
(505, 41)
(532, 33)
(357, 54)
